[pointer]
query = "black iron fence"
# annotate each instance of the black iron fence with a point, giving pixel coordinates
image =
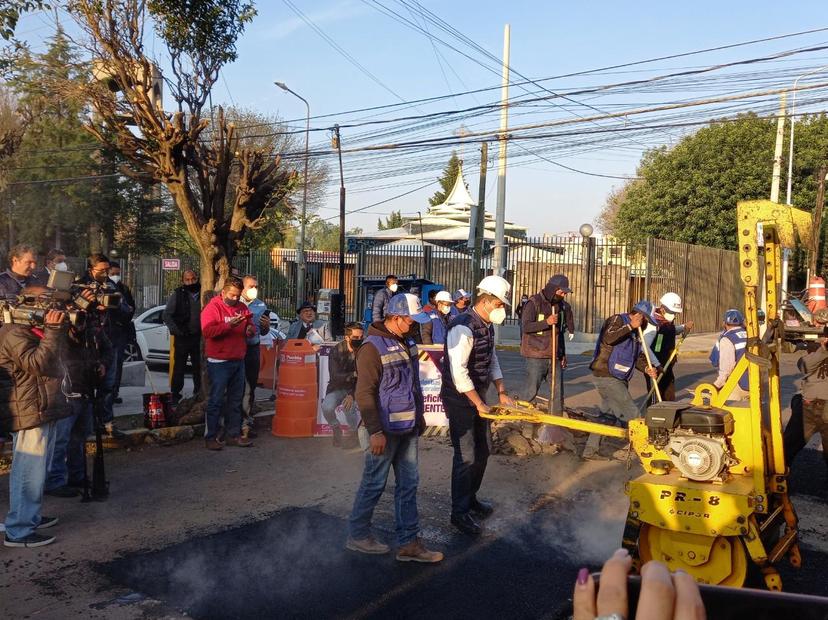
(606, 276)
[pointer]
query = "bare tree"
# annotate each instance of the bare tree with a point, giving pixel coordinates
(176, 149)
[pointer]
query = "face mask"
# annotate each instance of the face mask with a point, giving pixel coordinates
(61, 267)
(669, 316)
(557, 299)
(497, 315)
(252, 293)
(393, 288)
(404, 327)
(115, 279)
(230, 302)
(444, 309)
(192, 287)
(356, 342)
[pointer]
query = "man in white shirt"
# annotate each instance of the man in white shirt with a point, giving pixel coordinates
(470, 366)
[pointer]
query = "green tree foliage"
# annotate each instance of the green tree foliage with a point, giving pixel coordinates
(319, 235)
(395, 220)
(446, 181)
(689, 192)
(10, 12)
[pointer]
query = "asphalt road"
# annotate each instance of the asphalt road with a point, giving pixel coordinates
(259, 533)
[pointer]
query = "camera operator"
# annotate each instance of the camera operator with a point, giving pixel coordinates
(126, 328)
(22, 263)
(31, 401)
(113, 321)
(88, 355)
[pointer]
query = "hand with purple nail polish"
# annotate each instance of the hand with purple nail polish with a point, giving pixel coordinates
(663, 596)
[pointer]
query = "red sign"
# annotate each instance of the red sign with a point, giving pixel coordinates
(170, 264)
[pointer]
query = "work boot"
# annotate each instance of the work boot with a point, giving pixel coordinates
(213, 444)
(481, 508)
(466, 524)
(369, 545)
(64, 491)
(249, 433)
(337, 436)
(591, 454)
(32, 540)
(238, 442)
(415, 551)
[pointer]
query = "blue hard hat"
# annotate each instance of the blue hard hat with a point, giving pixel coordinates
(734, 317)
(461, 294)
(406, 304)
(644, 307)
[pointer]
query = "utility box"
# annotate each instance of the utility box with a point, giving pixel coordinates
(323, 303)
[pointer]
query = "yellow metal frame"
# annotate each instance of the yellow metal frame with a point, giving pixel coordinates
(717, 521)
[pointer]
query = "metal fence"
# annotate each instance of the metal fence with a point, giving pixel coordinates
(606, 276)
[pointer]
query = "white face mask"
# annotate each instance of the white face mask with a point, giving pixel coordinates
(497, 316)
(115, 279)
(393, 288)
(61, 267)
(669, 316)
(445, 309)
(251, 293)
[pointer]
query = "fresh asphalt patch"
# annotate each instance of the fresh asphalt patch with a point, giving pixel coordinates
(294, 565)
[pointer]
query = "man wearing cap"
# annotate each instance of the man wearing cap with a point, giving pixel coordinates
(728, 350)
(470, 366)
(382, 297)
(462, 301)
(434, 332)
(543, 314)
(307, 326)
(618, 352)
(660, 336)
(390, 402)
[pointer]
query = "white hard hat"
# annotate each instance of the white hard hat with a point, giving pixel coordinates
(444, 296)
(497, 286)
(671, 301)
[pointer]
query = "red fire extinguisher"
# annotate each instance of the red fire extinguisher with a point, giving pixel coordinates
(156, 412)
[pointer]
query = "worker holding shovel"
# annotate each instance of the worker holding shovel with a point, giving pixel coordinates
(660, 337)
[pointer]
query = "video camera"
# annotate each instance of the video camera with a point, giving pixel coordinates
(64, 295)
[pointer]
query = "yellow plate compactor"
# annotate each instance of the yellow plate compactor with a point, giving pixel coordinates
(714, 495)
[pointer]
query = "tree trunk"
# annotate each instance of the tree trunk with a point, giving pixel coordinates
(94, 238)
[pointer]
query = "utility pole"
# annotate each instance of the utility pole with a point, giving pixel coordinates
(777, 152)
(339, 329)
(480, 217)
(820, 203)
(301, 262)
(500, 214)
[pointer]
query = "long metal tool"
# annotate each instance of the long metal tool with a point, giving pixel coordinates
(649, 362)
(553, 370)
(667, 364)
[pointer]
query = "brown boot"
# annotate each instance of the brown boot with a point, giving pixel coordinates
(415, 551)
(238, 442)
(213, 444)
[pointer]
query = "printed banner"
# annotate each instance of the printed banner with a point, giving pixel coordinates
(431, 380)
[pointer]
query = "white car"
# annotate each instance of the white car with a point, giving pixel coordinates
(152, 338)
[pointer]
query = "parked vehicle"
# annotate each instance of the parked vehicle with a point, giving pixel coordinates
(152, 338)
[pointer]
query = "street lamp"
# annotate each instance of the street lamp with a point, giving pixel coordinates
(586, 231)
(793, 122)
(301, 264)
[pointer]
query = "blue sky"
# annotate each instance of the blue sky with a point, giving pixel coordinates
(548, 38)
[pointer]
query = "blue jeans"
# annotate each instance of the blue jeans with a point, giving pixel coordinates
(107, 392)
(32, 452)
(69, 456)
(226, 379)
(329, 405)
(401, 454)
(537, 371)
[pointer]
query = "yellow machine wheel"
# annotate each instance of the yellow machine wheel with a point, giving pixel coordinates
(719, 561)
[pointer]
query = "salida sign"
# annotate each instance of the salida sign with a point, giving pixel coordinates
(170, 264)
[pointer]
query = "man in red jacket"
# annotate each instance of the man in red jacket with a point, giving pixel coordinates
(226, 323)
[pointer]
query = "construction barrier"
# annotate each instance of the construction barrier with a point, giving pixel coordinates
(268, 356)
(297, 402)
